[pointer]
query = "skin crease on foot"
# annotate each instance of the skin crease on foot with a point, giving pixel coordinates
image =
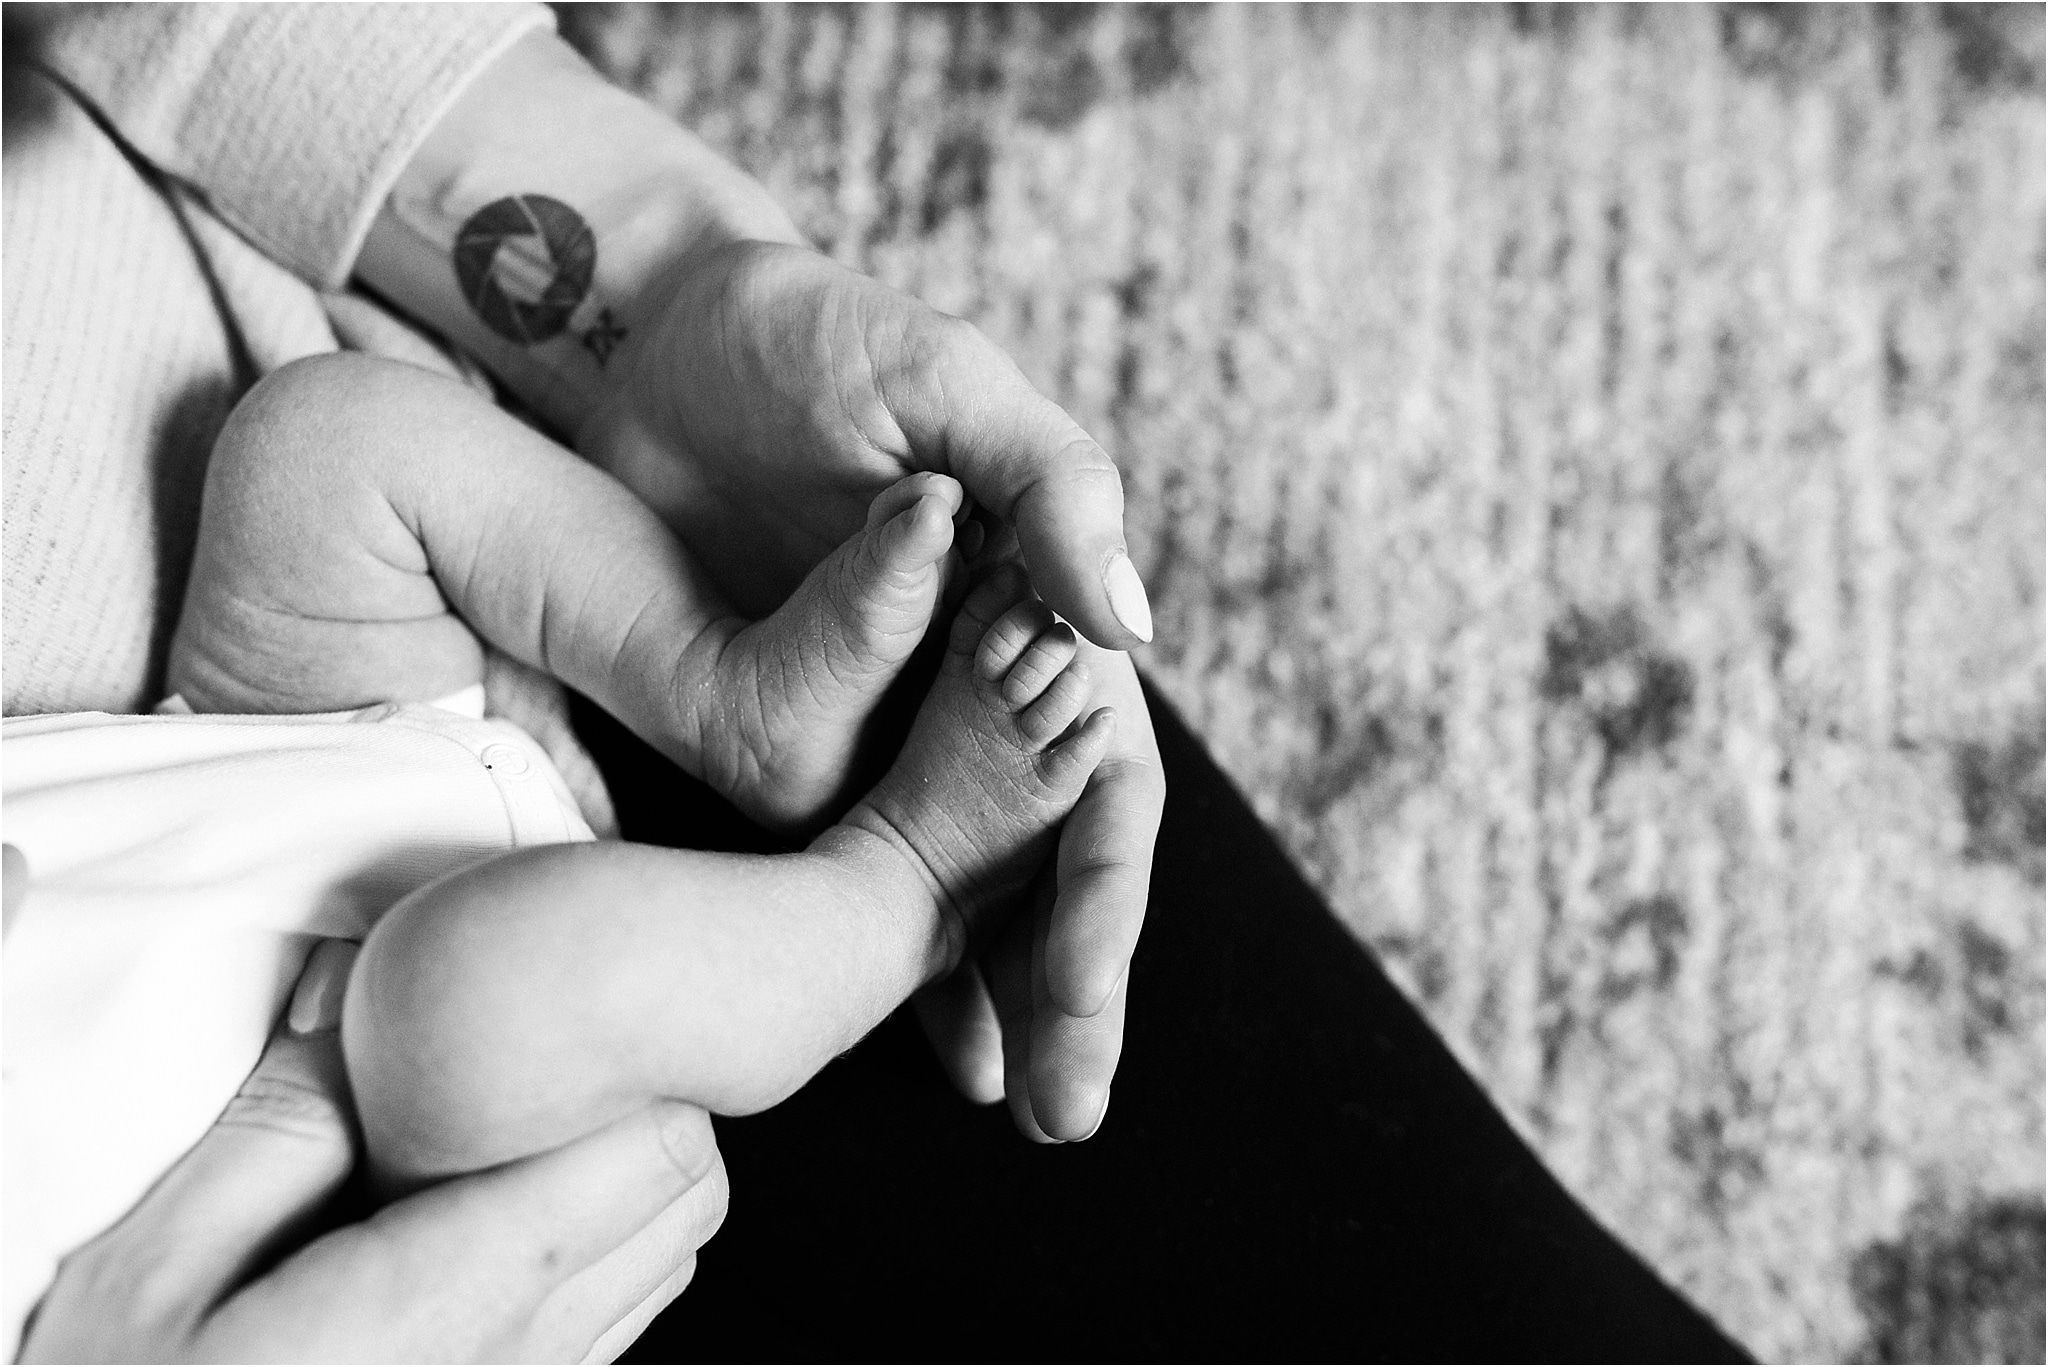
(535, 997)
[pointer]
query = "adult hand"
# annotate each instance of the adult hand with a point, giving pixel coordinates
(776, 392)
(759, 396)
(753, 391)
(759, 411)
(553, 1257)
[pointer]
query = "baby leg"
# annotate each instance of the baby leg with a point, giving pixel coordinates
(530, 999)
(310, 591)
(365, 522)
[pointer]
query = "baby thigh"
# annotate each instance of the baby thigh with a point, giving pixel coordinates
(532, 998)
(369, 525)
(312, 588)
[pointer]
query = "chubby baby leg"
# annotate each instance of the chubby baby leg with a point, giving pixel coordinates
(310, 590)
(365, 522)
(530, 999)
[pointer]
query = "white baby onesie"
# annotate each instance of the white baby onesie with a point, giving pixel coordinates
(180, 870)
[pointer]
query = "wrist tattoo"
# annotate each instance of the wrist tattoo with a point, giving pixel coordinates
(525, 265)
(604, 336)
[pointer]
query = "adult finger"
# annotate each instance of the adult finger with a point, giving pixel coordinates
(960, 1021)
(630, 1284)
(620, 1336)
(1020, 455)
(1013, 969)
(1105, 853)
(1057, 1068)
(1072, 1063)
(463, 1269)
(279, 1152)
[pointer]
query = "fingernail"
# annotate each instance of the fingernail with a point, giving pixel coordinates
(316, 1005)
(1127, 595)
(684, 1132)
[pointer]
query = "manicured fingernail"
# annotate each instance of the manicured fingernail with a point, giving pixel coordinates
(316, 1006)
(1127, 595)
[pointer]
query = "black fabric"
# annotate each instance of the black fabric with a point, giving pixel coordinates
(1293, 1166)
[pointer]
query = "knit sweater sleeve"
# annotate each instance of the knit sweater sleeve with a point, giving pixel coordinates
(292, 121)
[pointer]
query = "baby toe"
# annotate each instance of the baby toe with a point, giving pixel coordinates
(1005, 643)
(1065, 767)
(985, 602)
(912, 488)
(1056, 707)
(915, 537)
(1049, 653)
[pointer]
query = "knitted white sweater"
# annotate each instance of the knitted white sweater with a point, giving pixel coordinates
(185, 192)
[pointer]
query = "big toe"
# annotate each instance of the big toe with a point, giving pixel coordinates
(910, 490)
(883, 586)
(914, 539)
(910, 528)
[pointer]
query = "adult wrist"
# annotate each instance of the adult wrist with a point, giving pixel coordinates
(538, 222)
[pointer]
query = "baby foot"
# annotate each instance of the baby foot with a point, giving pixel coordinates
(995, 759)
(793, 691)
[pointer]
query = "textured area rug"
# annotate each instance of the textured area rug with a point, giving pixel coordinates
(1589, 467)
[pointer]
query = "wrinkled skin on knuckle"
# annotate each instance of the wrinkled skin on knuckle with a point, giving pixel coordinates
(1081, 472)
(940, 338)
(1143, 783)
(930, 368)
(289, 1108)
(1124, 850)
(1111, 859)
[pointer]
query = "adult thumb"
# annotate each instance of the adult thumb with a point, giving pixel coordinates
(287, 1141)
(246, 1191)
(1023, 457)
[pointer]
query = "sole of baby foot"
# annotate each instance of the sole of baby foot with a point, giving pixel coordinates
(999, 754)
(807, 679)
